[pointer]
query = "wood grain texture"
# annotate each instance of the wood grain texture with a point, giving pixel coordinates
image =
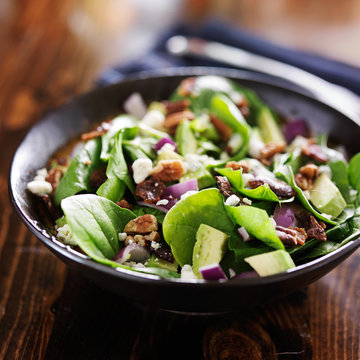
(50, 51)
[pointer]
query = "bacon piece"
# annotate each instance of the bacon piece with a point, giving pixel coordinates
(175, 106)
(224, 186)
(314, 151)
(291, 236)
(150, 190)
(100, 130)
(313, 228)
(97, 177)
(279, 187)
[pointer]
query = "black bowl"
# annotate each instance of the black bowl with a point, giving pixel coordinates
(67, 122)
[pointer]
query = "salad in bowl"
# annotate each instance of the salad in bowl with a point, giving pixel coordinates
(208, 184)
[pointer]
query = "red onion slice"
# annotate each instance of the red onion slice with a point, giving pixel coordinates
(246, 275)
(132, 252)
(284, 215)
(162, 142)
(295, 128)
(181, 188)
(212, 272)
(243, 234)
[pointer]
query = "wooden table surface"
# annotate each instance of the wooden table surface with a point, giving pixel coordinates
(50, 51)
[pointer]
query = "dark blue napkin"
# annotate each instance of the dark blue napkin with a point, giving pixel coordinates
(331, 70)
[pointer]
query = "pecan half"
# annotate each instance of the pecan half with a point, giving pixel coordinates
(291, 236)
(269, 150)
(124, 204)
(224, 186)
(224, 130)
(53, 177)
(236, 165)
(175, 106)
(168, 170)
(306, 175)
(279, 187)
(187, 86)
(150, 190)
(174, 119)
(142, 240)
(142, 225)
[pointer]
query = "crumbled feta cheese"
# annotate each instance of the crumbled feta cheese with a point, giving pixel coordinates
(154, 119)
(122, 236)
(246, 178)
(224, 156)
(41, 174)
(135, 105)
(187, 273)
(232, 200)
(162, 202)
(134, 264)
(141, 169)
(255, 146)
(39, 187)
(325, 169)
(155, 245)
(247, 201)
(235, 142)
(188, 193)
(166, 147)
(64, 234)
(193, 162)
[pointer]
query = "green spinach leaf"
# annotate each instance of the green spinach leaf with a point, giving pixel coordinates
(95, 223)
(354, 172)
(183, 220)
(76, 178)
(222, 107)
(257, 222)
(262, 192)
(287, 174)
(118, 178)
(339, 170)
(107, 139)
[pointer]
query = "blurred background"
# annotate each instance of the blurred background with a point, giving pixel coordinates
(50, 49)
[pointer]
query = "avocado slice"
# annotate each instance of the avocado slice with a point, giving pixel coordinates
(203, 176)
(269, 127)
(326, 196)
(271, 263)
(155, 261)
(185, 139)
(210, 247)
